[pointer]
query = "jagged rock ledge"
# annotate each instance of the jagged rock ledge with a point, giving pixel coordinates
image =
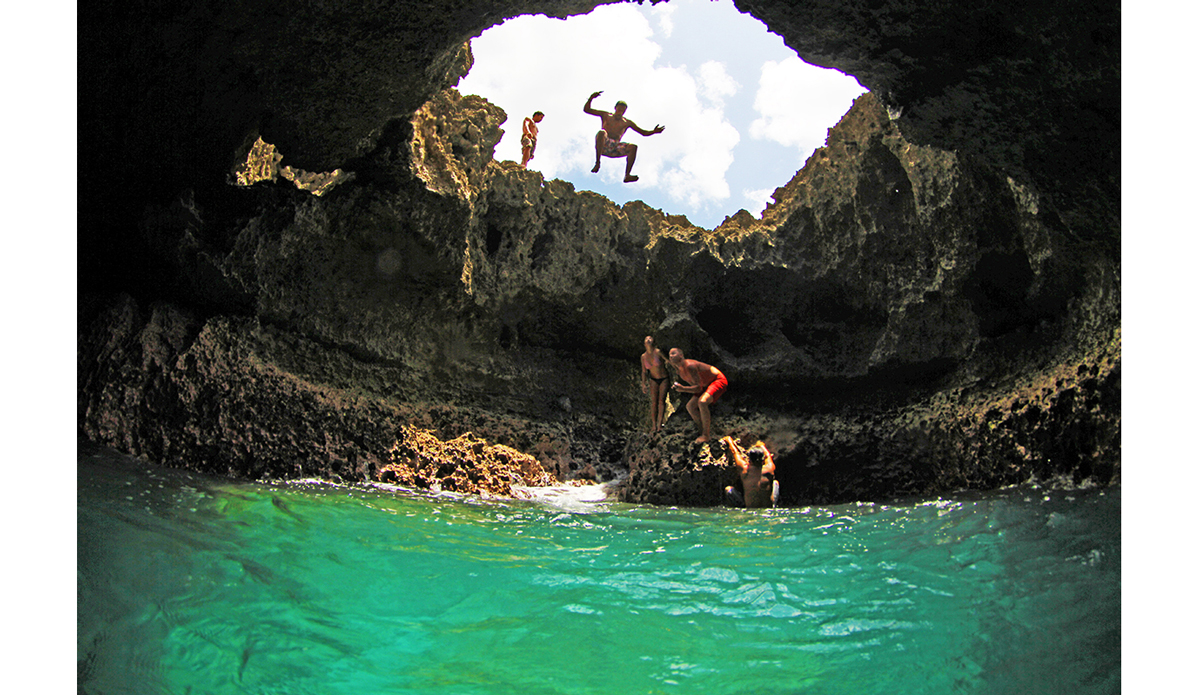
(933, 302)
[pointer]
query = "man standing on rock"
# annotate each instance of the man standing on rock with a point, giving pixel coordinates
(529, 133)
(608, 138)
(705, 382)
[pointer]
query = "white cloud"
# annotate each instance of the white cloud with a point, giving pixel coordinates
(760, 198)
(671, 63)
(797, 102)
(716, 83)
(664, 12)
(535, 63)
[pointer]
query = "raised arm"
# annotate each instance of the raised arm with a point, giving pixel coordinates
(736, 457)
(587, 107)
(768, 467)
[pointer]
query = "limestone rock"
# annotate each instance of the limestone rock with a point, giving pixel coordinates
(932, 302)
(466, 464)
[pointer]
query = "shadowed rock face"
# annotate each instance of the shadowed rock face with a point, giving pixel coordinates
(931, 303)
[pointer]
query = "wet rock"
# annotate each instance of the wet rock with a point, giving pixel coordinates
(466, 464)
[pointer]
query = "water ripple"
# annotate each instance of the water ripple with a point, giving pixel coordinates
(194, 584)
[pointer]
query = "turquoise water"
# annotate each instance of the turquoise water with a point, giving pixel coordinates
(189, 584)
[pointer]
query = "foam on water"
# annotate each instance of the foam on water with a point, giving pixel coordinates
(570, 498)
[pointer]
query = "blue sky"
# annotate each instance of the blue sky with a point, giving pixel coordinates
(742, 112)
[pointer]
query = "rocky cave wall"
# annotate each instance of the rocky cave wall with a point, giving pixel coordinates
(921, 308)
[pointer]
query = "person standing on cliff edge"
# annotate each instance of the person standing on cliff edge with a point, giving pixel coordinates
(654, 366)
(529, 133)
(706, 383)
(608, 138)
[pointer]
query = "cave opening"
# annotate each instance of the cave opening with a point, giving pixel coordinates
(742, 112)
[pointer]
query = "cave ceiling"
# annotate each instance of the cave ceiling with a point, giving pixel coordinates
(171, 91)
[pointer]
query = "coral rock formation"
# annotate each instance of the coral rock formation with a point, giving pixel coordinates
(466, 464)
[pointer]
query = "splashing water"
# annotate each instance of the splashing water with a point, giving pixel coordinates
(189, 584)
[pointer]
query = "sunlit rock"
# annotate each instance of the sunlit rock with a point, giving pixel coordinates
(932, 302)
(466, 465)
(262, 164)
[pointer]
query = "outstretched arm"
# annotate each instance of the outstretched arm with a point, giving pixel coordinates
(657, 129)
(587, 107)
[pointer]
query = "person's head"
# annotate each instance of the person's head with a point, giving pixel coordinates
(538, 116)
(757, 455)
(675, 356)
(620, 108)
(649, 342)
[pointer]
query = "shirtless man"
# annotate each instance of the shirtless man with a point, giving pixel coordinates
(654, 365)
(529, 133)
(756, 468)
(608, 138)
(706, 383)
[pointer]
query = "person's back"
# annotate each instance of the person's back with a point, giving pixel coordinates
(758, 478)
(756, 469)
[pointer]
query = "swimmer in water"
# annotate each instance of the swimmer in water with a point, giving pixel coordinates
(756, 468)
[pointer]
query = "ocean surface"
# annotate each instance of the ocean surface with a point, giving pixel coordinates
(193, 584)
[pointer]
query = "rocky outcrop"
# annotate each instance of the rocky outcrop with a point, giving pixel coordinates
(911, 314)
(671, 469)
(466, 465)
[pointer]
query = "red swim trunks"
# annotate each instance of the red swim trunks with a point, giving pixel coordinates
(717, 387)
(615, 148)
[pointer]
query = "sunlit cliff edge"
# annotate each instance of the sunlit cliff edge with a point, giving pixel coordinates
(904, 318)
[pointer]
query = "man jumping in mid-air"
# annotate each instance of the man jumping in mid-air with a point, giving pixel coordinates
(608, 138)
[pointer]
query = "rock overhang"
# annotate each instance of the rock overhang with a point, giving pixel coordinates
(1034, 128)
(1032, 87)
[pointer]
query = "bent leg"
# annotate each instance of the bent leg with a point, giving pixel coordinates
(705, 418)
(629, 159)
(694, 409)
(601, 138)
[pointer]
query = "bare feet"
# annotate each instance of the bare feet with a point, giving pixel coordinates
(628, 179)
(596, 168)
